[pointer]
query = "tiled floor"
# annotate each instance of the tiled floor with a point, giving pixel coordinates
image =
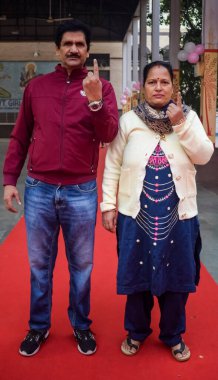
(207, 179)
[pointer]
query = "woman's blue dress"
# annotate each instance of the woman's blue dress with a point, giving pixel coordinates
(157, 251)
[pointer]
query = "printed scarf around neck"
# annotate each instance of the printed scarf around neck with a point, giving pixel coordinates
(157, 120)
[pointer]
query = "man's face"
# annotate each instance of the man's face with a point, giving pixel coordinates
(73, 50)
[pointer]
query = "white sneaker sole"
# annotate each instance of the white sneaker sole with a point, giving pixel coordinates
(88, 352)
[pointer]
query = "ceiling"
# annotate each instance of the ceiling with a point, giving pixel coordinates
(36, 20)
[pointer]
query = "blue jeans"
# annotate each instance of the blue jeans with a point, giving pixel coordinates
(47, 208)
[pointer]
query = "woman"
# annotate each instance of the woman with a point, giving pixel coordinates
(150, 173)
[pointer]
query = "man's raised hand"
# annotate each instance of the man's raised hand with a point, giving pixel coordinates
(92, 84)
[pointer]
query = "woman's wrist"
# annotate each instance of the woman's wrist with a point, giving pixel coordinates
(180, 121)
(113, 209)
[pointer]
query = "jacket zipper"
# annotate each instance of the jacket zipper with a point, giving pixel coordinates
(93, 156)
(33, 142)
(68, 82)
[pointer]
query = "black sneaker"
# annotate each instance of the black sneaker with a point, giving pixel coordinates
(32, 342)
(86, 341)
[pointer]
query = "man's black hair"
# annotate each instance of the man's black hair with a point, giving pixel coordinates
(149, 66)
(72, 26)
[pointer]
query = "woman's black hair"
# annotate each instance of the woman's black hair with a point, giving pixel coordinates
(72, 26)
(149, 66)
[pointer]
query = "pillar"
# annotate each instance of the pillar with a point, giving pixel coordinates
(155, 30)
(143, 40)
(175, 41)
(129, 59)
(135, 48)
(124, 84)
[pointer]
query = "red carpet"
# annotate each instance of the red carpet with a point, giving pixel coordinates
(59, 358)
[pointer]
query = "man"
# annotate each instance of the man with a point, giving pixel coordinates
(63, 118)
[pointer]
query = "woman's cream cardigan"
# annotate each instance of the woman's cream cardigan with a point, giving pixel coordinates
(129, 153)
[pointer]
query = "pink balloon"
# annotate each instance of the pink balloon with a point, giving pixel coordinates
(199, 49)
(123, 102)
(127, 91)
(193, 57)
(136, 86)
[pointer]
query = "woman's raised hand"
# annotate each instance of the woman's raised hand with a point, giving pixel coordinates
(175, 112)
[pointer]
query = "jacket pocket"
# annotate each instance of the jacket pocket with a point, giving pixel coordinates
(94, 155)
(87, 187)
(124, 182)
(191, 189)
(31, 152)
(31, 182)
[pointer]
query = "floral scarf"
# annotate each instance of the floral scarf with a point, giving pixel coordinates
(157, 120)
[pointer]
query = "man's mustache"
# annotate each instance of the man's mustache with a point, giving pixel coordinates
(72, 55)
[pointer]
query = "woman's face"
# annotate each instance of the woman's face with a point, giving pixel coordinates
(158, 87)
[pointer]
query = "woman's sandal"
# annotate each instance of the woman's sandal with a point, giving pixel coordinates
(182, 353)
(130, 347)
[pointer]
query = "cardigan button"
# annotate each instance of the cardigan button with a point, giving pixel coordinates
(170, 156)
